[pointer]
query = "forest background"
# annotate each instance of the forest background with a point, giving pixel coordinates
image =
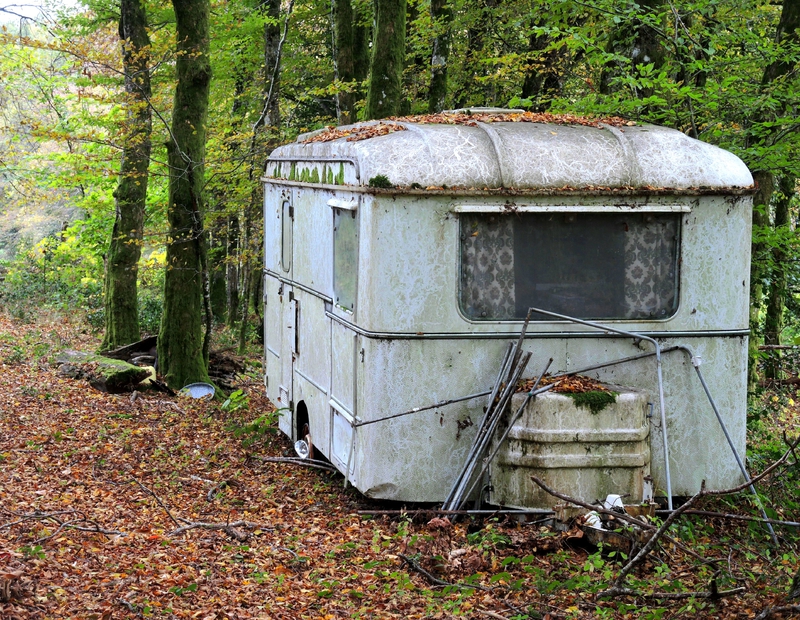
(89, 133)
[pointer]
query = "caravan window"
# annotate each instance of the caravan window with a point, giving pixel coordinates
(586, 265)
(345, 257)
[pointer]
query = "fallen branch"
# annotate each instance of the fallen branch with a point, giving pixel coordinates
(297, 461)
(491, 614)
(769, 611)
(53, 516)
(617, 515)
(435, 580)
(228, 528)
(734, 517)
(678, 596)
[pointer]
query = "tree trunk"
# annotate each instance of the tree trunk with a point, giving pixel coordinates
(232, 270)
(182, 349)
(384, 90)
(786, 31)
(442, 16)
(272, 62)
(344, 57)
(637, 40)
(541, 82)
(761, 200)
(776, 298)
(121, 301)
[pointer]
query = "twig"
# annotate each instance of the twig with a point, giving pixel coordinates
(617, 588)
(491, 614)
(678, 596)
(228, 528)
(158, 499)
(735, 517)
(435, 580)
(434, 511)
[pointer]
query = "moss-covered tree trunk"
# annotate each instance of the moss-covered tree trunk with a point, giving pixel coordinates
(761, 200)
(344, 27)
(182, 349)
(542, 77)
(125, 248)
(385, 86)
(776, 297)
(442, 16)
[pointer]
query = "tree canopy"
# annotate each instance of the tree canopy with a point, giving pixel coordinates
(721, 71)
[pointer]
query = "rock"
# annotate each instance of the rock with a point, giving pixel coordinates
(70, 371)
(104, 374)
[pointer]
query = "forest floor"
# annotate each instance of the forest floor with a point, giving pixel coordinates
(94, 486)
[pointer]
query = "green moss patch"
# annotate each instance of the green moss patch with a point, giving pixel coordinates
(595, 401)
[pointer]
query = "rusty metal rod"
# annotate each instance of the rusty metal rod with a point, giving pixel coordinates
(485, 435)
(529, 396)
(498, 385)
(425, 408)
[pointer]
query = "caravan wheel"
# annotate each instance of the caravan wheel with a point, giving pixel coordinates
(305, 435)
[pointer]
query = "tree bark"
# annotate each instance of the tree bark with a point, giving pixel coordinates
(638, 40)
(442, 16)
(776, 299)
(786, 31)
(182, 349)
(761, 201)
(232, 269)
(385, 86)
(344, 57)
(541, 82)
(125, 248)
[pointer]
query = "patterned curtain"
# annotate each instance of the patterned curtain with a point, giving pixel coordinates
(487, 267)
(650, 268)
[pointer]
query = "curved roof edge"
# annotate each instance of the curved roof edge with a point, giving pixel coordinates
(529, 156)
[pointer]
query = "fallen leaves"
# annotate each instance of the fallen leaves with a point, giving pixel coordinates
(355, 133)
(80, 538)
(575, 384)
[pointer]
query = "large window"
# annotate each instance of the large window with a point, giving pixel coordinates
(587, 265)
(345, 257)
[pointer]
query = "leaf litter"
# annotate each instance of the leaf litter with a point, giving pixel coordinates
(93, 488)
(355, 133)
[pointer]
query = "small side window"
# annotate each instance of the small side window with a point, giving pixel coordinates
(345, 257)
(287, 215)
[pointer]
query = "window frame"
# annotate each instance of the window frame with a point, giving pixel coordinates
(511, 209)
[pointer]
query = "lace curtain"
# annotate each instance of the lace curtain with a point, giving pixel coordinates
(648, 265)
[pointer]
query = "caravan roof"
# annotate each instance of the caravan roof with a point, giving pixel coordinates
(490, 154)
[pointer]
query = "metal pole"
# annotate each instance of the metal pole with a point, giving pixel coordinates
(635, 336)
(532, 394)
(696, 363)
